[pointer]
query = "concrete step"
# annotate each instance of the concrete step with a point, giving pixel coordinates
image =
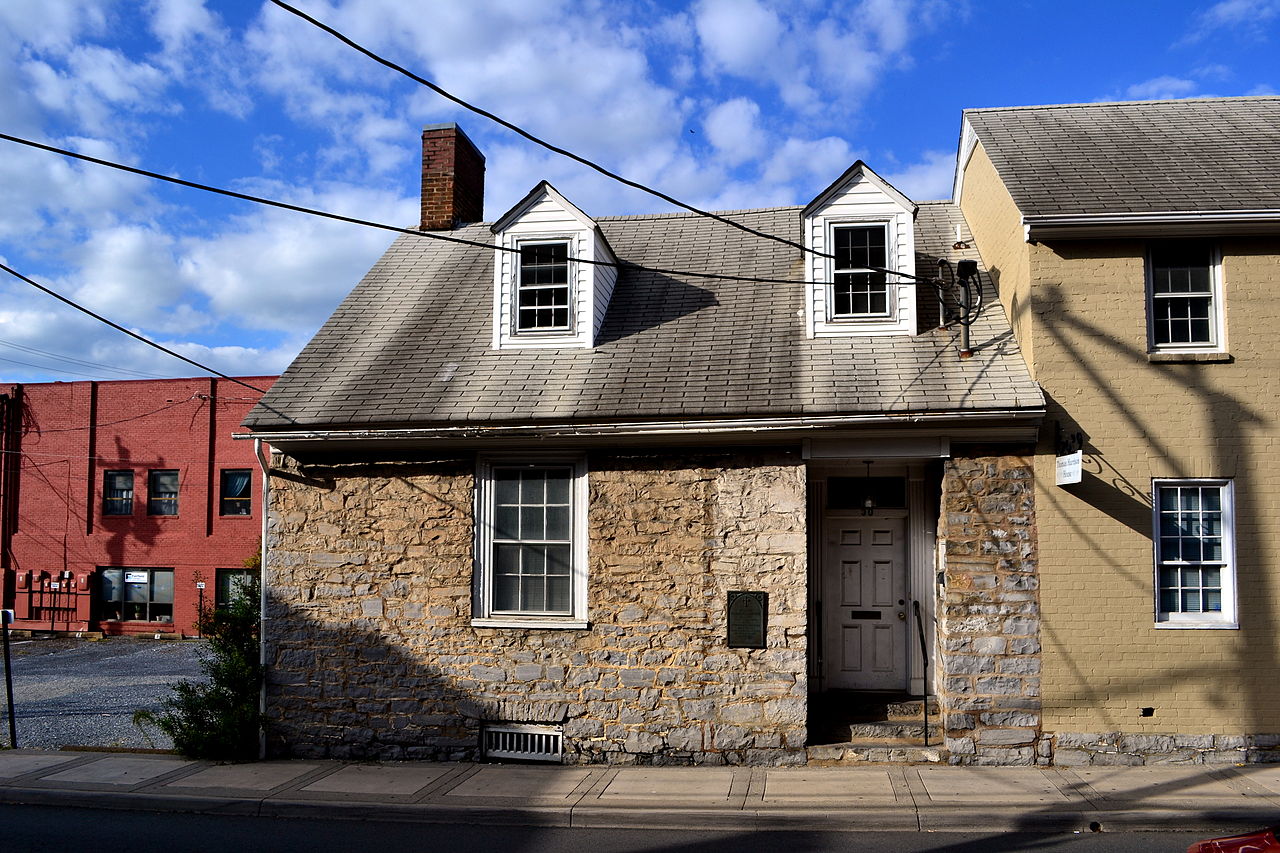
(875, 752)
(902, 730)
(910, 709)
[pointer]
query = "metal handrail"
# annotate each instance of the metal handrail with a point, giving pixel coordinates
(924, 656)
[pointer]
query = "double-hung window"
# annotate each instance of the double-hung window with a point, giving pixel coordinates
(235, 495)
(858, 290)
(543, 288)
(531, 543)
(1184, 295)
(162, 492)
(117, 493)
(1194, 553)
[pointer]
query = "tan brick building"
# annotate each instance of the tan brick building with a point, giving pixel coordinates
(1136, 249)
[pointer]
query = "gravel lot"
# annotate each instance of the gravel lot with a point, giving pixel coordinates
(71, 692)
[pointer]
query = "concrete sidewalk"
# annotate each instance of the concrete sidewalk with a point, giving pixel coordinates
(1202, 799)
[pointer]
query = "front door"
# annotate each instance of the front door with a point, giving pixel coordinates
(864, 603)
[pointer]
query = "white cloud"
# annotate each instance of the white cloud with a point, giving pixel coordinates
(738, 36)
(733, 128)
(1250, 19)
(282, 271)
(1161, 88)
(928, 179)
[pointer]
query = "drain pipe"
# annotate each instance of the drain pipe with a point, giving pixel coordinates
(264, 462)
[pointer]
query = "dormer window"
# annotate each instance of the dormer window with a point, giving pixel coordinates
(858, 229)
(858, 291)
(553, 274)
(543, 288)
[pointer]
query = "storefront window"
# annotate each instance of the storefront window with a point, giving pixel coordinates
(136, 595)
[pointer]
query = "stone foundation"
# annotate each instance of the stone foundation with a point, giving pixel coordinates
(372, 654)
(988, 613)
(1117, 748)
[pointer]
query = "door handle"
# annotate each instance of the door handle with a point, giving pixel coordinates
(902, 617)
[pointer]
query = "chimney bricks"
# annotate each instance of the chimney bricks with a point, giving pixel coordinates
(452, 178)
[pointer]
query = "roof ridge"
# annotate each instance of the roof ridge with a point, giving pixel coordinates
(679, 214)
(1197, 100)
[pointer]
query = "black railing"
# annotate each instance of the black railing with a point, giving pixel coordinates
(924, 656)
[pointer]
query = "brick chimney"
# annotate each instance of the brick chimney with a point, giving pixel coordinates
(452, 178)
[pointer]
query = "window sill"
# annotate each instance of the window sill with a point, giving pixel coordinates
(1198, 626)
(553, 624)
(1190, 357)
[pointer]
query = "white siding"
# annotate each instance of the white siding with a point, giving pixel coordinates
(861, 201)
(545, 219)
(604, 280)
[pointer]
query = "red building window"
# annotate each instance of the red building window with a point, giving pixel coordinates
(162, 492)
(117, 493)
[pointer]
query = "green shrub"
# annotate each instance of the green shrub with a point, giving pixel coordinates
(218, 718)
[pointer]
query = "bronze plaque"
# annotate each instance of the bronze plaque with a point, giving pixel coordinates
(748, 618)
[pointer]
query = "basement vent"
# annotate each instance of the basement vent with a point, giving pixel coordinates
(523, 742)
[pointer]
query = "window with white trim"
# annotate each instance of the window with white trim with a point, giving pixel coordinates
(531, 543)
(543, 291)
(1184, 295)
(857, 290)
(1194, 552)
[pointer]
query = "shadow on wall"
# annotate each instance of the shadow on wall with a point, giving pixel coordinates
(1231, 426)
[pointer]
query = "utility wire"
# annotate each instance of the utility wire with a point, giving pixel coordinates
(79, 361)
(414, 232)
(58, 296)
(537, 141)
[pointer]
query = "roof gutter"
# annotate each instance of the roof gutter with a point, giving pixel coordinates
(1161, 223)
(653, 428)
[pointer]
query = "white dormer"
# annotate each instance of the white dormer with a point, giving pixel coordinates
(544, 295)
(863, 222)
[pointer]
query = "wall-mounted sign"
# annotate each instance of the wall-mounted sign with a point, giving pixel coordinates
(199, 584)
(55, 585)
(748, 618)
(1069, 469)
(136, 577)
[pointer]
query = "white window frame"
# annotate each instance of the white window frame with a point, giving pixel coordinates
(890, 314)
(1227, 616)
(483, 614)
(1217, 327)
(570, 285)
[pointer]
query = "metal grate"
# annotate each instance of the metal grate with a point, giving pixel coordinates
(523, 742)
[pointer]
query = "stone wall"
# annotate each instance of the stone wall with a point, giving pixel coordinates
(372, 654)
(988, 612)
(1111, 749)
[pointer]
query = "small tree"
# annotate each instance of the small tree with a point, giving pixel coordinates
(218, 718)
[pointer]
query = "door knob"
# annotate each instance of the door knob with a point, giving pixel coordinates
(902, 616)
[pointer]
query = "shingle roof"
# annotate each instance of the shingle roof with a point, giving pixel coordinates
(411, 344)
(1210, 154)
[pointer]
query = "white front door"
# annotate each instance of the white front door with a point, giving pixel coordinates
(864, 603)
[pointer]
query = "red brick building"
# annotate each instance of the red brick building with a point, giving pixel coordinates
(123, 505)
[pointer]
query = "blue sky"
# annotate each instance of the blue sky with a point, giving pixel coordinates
(723, 103)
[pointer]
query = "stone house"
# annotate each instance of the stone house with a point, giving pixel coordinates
(1136, 249)
(654, 489)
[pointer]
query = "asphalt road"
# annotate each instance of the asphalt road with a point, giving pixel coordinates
(83, 693)
(40, 829)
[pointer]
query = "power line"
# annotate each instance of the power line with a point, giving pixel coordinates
(58, 296)
(414, 232)
(79, 361)
(536, 140)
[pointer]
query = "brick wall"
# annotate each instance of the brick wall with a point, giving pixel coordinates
(137, 426)
(372, 653)
(1210, 693)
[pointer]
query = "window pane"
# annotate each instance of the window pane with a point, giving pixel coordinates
(1192, 533)
(162, 493)
(117, 493)
(162, 586)
(235, 499)
(532, 568)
